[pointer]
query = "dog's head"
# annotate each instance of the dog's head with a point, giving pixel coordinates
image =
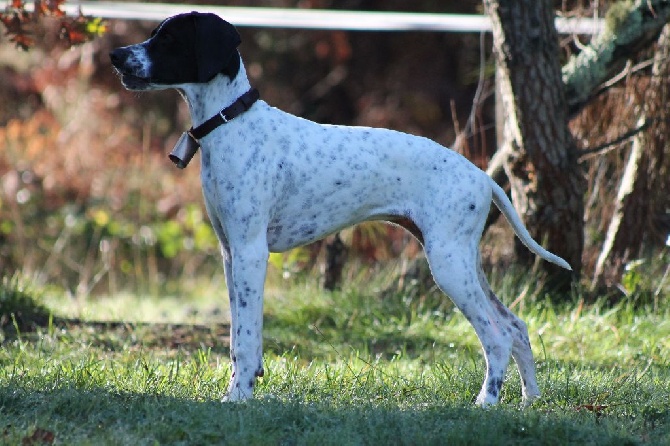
(183, 49)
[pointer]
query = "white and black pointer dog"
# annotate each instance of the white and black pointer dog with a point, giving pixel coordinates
(273, 181)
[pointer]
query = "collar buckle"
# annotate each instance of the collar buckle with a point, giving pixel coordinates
(242, 104)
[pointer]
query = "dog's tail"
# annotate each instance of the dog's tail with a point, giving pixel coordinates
(505, 206)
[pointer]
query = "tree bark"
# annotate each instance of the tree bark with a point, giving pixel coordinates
(643, 189)
(546, 181)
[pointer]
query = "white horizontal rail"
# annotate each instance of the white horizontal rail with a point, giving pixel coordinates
(316, 18)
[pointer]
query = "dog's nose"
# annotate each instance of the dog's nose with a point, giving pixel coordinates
(117, 56)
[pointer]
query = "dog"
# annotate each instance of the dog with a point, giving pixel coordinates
(273, 181)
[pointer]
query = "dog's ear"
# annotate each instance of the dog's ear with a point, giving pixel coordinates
(155, 30)
(216, 47)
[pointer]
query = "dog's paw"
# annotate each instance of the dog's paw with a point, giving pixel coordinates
(486, 400)
(528, 400)
(238, 392)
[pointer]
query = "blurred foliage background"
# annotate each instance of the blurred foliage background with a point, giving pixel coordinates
(90, 203)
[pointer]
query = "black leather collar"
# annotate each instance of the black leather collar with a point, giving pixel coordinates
(189, 144)
(242, 104)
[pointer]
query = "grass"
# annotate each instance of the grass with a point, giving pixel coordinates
(341, 368)
(19, 307)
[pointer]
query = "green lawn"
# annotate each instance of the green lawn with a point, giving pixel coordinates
(341, 368)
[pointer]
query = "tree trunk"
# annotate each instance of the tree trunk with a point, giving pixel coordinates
(547, 183)
(336, 258)
(643, 189)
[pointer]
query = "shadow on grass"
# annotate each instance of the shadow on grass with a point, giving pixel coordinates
(118, 336)
(96, 416)
(280, 337)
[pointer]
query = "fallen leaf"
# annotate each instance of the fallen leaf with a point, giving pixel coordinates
(596, 408)
(40, 436)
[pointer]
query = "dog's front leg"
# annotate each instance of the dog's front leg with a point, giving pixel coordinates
(245, 275)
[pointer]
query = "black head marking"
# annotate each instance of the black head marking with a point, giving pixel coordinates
(193, 47)
(216, 47)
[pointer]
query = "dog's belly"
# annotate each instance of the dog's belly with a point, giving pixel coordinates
(302, 233)
(284, 236)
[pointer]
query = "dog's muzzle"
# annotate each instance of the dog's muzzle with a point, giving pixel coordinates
(130, 77)
(131, 82)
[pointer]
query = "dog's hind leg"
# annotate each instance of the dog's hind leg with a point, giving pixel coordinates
(454, 267)
(521, 351)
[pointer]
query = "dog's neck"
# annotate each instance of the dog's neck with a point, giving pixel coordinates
(206, 100)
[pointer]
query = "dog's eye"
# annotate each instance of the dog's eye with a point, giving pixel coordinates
(167, 39)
